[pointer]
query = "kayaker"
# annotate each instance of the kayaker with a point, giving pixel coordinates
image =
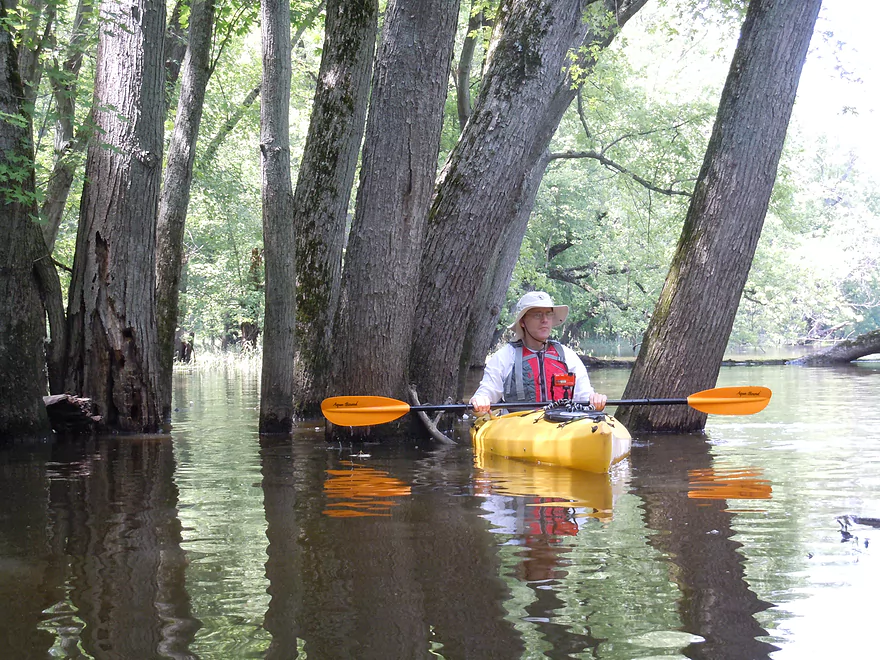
(524, 369)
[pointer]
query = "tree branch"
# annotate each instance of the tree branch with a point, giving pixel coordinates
(610, 164)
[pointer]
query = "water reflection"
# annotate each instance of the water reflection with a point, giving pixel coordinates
(92, 540)
(421, 581)
(695, 535)
(728, 483)
(589, 494)
(217, 543)
(356, 490)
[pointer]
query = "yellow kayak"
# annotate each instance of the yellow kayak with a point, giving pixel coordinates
(583, 440)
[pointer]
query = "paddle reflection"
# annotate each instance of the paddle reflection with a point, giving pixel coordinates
(361, 491)
(728, 484)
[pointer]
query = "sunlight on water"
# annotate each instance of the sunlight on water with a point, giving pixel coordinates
(221, 510)
(819, 445)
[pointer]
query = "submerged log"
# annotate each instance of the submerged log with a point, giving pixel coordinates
(69, 414)
(844, 352)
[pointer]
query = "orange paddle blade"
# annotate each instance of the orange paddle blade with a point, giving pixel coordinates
(731, 400)
(362, 410)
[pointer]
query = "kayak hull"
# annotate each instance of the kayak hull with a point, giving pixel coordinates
(592, 445)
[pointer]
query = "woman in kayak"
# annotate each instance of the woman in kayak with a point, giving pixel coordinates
(535, 367)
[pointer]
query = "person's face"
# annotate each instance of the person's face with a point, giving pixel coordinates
(538, 322)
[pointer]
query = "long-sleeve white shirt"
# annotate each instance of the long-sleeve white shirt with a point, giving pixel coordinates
(500, 364)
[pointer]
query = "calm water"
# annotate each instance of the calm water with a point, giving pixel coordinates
(216, 544)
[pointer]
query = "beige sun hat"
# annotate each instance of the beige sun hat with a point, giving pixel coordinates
(536, 299)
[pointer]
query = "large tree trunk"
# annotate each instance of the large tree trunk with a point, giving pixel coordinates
(323, 189)
(276, 395)
(525, 92)
(397, 177)
(684, 345)
(22, 324)
(113, 354)
(486, 308)
(844, 352)
(176, 189)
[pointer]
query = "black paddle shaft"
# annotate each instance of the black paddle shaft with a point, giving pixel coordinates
(543, 404)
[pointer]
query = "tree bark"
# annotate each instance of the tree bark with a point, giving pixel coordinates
(276, 397)
(684, 345)
(22, 325)
(486, 308)
(174, 202)
(113, 344)
(52, 298)
(485, 184)
(323, 189)
(844, 352)
(397, 175)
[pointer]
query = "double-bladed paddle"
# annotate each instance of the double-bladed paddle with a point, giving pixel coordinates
(371, 410)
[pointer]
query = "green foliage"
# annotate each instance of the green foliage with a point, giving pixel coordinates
(602, 233)
(815, 275)
(607, 216)
(604, 223)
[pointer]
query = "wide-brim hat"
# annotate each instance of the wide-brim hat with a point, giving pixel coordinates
(536, 299)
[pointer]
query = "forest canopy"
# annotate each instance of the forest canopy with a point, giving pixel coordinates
(608, 211)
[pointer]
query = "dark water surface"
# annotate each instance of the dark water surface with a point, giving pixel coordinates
(215, 543)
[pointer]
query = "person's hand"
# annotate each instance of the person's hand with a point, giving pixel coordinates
(598, 401)
(480, 403)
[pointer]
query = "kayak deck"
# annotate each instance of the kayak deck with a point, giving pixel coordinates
(587, 441)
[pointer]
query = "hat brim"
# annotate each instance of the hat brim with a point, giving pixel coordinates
(559, 316)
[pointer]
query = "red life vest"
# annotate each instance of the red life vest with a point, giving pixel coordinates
(531, 378)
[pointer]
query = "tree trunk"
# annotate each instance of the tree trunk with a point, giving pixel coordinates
(465, 62)
(68, 151)
(175, 50)
(844, 352)
(684, 345)
(397, 177)
(176, 189)
(323, 189)
(36, 36)
(113, 352)
(276, 396)
(228, 127)
(232, 122)
(22, 324)
(525, 92)
(53, 302)
(486, 308)
(68, 146)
